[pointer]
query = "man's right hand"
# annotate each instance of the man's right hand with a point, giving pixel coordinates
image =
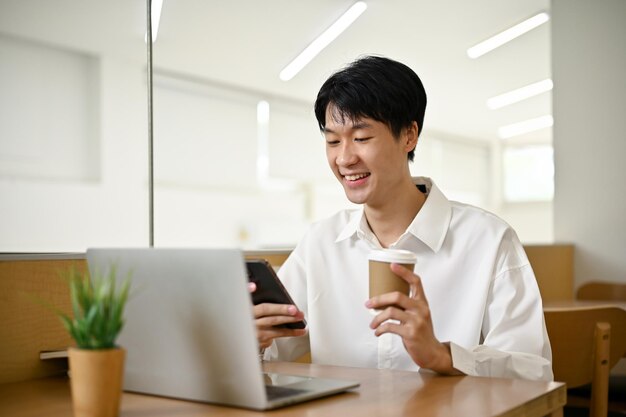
(269, 315)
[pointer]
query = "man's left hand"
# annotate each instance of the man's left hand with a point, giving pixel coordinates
(411, 320)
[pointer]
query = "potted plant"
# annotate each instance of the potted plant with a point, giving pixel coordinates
(96, 363)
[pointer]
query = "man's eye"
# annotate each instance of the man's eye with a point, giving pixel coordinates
(332, 142)
(361, 139)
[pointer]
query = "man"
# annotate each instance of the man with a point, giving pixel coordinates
(474, 307)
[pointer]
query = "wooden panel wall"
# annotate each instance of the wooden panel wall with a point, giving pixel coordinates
(275, 258)
(28, 326)
(554, 270)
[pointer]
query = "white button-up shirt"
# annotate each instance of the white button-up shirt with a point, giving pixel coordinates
(480, 288)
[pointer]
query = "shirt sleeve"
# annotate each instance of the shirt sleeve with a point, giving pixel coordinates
(486, 361)
(515, 342)
(293, 276)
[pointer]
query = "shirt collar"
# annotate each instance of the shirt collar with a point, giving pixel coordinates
(430, 225)
(433, 220)
(357, 217)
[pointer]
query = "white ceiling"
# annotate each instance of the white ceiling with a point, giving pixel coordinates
(247, 43)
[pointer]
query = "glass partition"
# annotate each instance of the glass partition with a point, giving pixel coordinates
(237, 163)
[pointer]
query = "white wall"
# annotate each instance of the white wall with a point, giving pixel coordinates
(52, 213)
(47, 90)
(86, 184)
(461, 167)
(589, 69)
(532, 221)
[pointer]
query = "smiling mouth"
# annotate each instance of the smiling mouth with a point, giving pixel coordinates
(356, 177)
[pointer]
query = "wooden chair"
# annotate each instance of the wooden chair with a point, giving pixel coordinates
(586, 343)
(602, 290)
(606, 291)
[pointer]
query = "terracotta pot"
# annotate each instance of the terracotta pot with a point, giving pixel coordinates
(96, 378)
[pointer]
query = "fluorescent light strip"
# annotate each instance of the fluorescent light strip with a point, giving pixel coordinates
(526, 126)
(519, 94)
(507, 35)
(323, 41)
(263, 140)
(157, 5)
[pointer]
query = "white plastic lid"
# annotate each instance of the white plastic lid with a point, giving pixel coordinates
(399, 256)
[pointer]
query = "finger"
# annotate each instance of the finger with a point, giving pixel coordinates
(251, 287)
(276, 332)
(266, 337)
(403, 272)
(270, 321)
(390, 313)
(269, 309)
(391, 299)
(417, 290)
(391, 327)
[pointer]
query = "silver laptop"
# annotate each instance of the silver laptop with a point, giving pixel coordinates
(189, 330)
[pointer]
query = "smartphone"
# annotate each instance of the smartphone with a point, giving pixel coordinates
(269, 289)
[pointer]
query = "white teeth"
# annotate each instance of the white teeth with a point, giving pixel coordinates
(355, 177)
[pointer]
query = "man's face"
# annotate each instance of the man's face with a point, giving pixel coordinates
(368, 161)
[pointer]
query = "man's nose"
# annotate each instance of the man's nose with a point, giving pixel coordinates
(346, 155)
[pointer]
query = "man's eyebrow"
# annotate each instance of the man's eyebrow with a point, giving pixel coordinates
(355, 126)
(361, 125)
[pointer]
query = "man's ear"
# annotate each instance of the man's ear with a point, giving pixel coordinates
(411, 134)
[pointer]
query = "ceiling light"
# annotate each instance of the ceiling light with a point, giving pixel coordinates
(157, 5)
(507, 35)
(322, 41)
(526, 126)
(519, 94)
(263, 112)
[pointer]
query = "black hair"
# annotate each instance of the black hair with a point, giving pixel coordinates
(377, 88)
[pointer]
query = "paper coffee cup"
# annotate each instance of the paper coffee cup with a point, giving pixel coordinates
(382, 280)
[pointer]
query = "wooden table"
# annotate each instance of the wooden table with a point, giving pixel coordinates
(382, 393)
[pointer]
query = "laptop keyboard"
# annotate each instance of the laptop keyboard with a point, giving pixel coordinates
(275, 391)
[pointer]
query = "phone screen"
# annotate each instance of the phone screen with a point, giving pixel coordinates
(269, 289)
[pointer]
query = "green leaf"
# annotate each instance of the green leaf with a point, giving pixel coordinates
(97, 307)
